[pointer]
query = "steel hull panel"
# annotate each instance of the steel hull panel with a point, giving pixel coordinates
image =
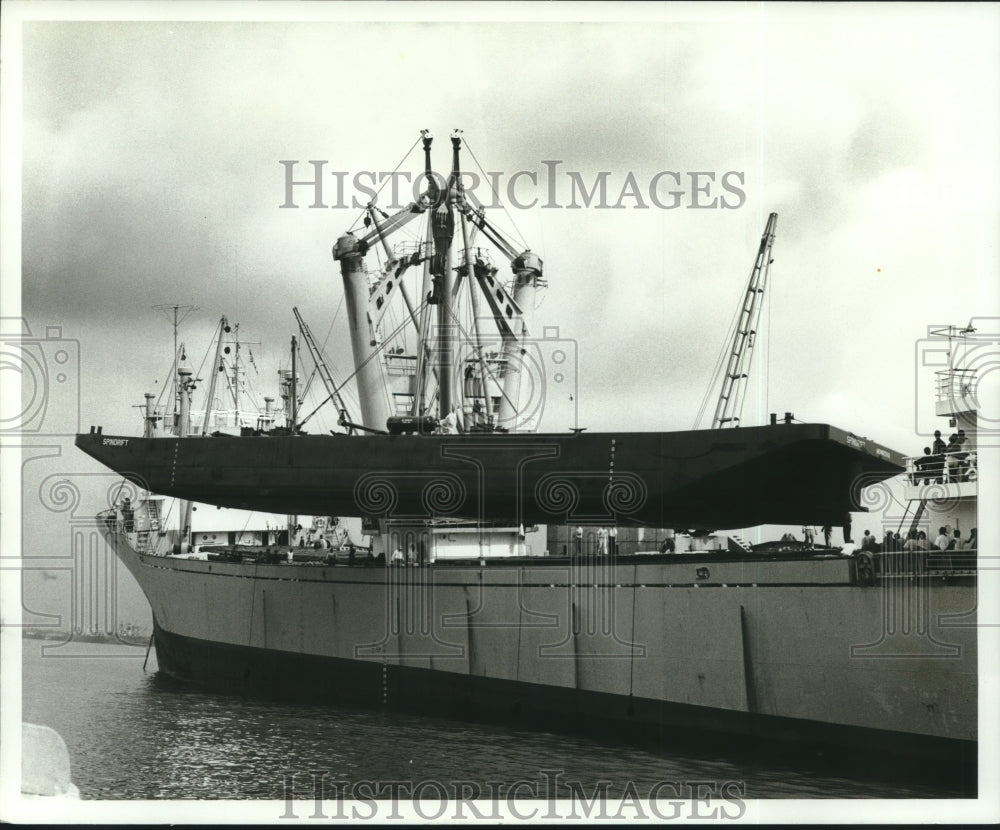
(823, 652)
(288, 676)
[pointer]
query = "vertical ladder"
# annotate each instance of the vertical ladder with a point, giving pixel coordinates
(146, 539)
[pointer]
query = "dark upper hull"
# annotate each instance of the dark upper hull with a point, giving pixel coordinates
(781, 474)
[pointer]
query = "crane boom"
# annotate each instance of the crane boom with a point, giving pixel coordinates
(394, 223)
(734, 381)
(321, 367)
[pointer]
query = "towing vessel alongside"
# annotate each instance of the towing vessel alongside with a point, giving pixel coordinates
(454, 608)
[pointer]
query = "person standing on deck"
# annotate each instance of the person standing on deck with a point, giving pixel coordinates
(939, 444)
(602, 541)
(938, 447)
(941, 542)
(613, 541)
(925, 467)
(827, 533)
(578, 541)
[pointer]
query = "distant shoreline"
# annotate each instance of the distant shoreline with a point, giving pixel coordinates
(136, 638)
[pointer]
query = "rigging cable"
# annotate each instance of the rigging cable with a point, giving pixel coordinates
(720, 363)
(354, 400)
(388, 178)
(351, 376)
(197, 375)
(464, 332)
(497, 196)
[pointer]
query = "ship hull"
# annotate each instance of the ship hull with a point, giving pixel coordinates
(287, 676)
(781, 474)
(760, 646)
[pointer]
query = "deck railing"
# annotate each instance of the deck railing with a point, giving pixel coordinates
(955, 384)
(946, 468)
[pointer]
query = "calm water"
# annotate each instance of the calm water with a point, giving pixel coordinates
(134, 735)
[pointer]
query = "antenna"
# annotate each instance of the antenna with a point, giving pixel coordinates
(178, 313)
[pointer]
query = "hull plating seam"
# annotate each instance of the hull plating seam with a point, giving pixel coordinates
(242, 670)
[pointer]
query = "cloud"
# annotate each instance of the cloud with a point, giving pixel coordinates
(151, 175)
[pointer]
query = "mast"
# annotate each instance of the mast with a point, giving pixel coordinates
(734, 382)
(173, 311)
(185, 385)
(456, 141)
(437, 333)
(293, 520)
(295, 390)
(427, 291)
(443, 224)
(236, 373)
(216, 368)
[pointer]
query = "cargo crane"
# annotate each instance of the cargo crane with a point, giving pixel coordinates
(451, 218)
(734, 381)
(332, 391)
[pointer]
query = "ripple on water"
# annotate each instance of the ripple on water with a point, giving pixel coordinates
(134, 736)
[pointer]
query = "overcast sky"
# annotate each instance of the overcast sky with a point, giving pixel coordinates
(152, 175)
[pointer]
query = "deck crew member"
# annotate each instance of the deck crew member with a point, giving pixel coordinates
(925, 467)
(602, 541)
(939, 445)
(941, 542)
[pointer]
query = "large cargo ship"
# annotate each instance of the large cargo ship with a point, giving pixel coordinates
(869, 645)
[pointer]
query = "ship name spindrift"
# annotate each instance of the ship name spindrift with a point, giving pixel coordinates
(115, 442)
